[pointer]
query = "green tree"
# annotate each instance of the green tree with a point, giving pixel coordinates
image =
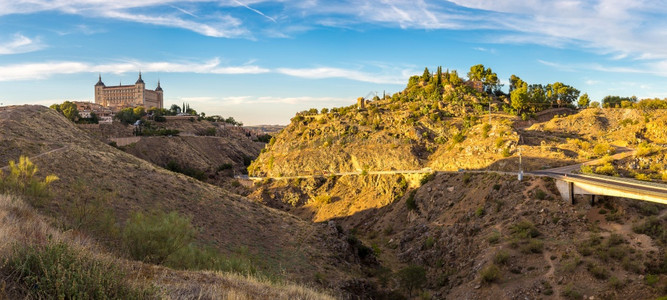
(68, 109)
(537, 99)
(488, 78)
(584, 101)
(412, 278)
(426, 77)
(126, 116)
(515, 82)
(174, 110)
(519, 98)
(139, 111)
(438, 79)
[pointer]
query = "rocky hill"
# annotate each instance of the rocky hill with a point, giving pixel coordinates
(110, 185)
(452, 131)
(476, 235)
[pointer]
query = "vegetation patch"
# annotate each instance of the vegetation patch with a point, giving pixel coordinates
(490, 274)
(56, 270)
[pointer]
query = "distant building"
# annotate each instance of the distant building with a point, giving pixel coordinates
(85, 109)
(122, 96)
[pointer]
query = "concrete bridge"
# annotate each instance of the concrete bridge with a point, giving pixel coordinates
(596, 185)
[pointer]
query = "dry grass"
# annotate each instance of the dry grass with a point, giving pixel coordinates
(279, 244)
(20, 224)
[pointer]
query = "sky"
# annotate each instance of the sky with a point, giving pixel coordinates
(262, 61)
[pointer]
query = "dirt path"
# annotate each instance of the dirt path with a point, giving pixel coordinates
(549, 276)
(40, 155)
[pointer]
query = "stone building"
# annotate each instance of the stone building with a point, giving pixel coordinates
(122, 96)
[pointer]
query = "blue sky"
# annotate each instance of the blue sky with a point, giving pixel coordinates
(262, 61)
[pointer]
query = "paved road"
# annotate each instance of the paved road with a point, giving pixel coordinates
(617, 183)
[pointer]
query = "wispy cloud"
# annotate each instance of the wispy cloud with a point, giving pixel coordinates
(650, 68)
(256, 11)
(327, 72)
(216, 24)
(482, 49)
(238, 100)
(622, 29)
(31, 71)
(20, 44)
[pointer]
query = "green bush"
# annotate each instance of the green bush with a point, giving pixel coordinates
(479, 212)
(188, 171)
(585, 169)
(155, 236)
(194, 257)
(570, 293)
(615, 283)
(501, 257)
(606, 169)
(458, 137)
(485, 130)
(540, 194)
(321, 199)
(598, 271)
(524, 230)
(603, 149)
(490, 274)
(57, 271)
(533, 246)
(506, 152)
(653, 227)
(494, 238)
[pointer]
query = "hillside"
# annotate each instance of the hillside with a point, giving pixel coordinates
(481, 236)
(90, 171)
(468, 235)
(450, 132)
(21, 227)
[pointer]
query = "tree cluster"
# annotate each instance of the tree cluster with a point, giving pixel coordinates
(526, 97)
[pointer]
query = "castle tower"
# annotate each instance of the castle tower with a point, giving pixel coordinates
(160, 94)
(139, 88)
(361, 103)
(99, 88)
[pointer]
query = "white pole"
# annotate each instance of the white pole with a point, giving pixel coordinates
(520, 166)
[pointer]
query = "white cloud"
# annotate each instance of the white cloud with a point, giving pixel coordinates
(242, 100)
(30, 71)
(656, 68)
(214, 25)
(327, 72)
(20, 44)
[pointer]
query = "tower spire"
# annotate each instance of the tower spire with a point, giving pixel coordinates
(99, 80)
(139, 80)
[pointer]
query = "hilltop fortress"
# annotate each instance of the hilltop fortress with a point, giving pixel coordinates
(121, 96)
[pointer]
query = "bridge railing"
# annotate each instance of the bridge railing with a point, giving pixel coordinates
(627, 180)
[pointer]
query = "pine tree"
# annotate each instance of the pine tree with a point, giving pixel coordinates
(438, 80)
(426, 77)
